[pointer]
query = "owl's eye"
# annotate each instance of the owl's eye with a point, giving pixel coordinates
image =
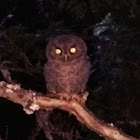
(73, 50)
(58, 51)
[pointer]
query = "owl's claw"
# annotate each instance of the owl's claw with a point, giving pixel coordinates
(53, 91)
(80, 98)
(85, 95)
(64, 96)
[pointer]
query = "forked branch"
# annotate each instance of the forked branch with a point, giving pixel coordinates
(31, 101)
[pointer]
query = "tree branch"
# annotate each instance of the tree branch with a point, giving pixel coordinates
(31, 102)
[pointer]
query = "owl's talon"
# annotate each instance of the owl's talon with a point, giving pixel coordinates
(53, 92)
(81, 98)
(63, 96)
(76, 97)
(85, 95)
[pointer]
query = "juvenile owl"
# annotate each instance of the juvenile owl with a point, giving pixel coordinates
(68, 68)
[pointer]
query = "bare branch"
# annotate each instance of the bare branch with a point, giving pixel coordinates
(31, 102)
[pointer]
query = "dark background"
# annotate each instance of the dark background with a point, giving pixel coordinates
(111, 30)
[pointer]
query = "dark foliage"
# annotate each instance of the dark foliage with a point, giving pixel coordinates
(111, 30)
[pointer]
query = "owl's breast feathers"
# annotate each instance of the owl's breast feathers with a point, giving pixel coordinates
(67, 77)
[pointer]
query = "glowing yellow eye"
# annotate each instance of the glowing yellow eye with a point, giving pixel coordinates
(57, 51)
(73, 50)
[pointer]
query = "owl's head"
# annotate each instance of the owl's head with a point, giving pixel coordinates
(66, 48)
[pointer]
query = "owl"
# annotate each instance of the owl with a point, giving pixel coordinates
(68, 67)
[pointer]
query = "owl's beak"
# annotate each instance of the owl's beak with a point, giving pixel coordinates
(66, 58)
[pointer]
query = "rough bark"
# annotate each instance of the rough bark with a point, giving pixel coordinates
(32, 101)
